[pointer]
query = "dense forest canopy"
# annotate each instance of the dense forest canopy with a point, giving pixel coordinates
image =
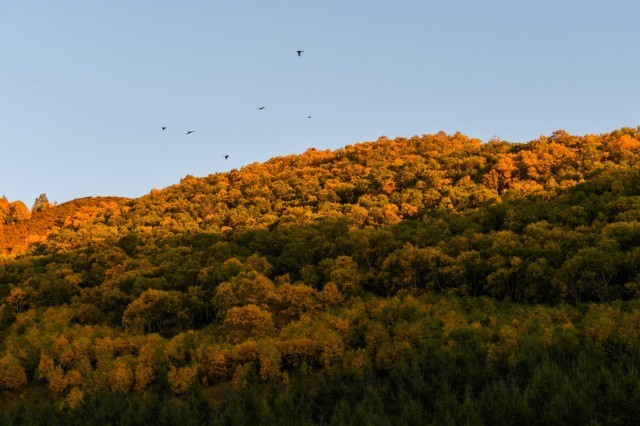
(497, 276)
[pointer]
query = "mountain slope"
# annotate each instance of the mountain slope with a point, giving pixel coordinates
(371, 184)
(16, 237)
(448, 278)
(381, 183)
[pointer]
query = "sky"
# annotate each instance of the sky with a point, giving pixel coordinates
(86, 85)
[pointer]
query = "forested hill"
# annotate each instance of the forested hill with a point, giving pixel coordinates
(19, 228)
(381, 183)
(450, 278)
(451, 195)
(372, 184)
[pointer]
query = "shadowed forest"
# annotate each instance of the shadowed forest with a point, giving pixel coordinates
(429, 280)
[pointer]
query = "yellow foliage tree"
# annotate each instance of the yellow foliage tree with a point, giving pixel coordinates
(181, 379)
(74, 399)
(297, 300)
(18, 298)
(12, 375)
(121, 377)
(74, 378)
(18, 212)
(242, 323)
(297, 351)
(246, 288)
(215, 363)
(143, 376)
(45, 367)
(270, 361)
(332, 350)
(58, 382)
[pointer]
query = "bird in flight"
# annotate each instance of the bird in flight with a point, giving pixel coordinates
(299, 52)
(308, 116)
(190, 131)
(261, 108)
(226, 156)
(164, 128)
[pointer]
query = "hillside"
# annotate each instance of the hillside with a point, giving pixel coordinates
(457, 281)
(373, 184)
(381, 183)
(16, 237)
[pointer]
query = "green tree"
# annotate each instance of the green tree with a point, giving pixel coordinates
(163, 312)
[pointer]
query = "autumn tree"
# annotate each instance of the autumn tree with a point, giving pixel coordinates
(164, 312)
(413, 268)
(245, 288)
(12, 375)
(344, 272)
(246, 322)
(182, 378)
(4, 209)
(121, 377)
(41, 203)
(295, 301)
(18, 212)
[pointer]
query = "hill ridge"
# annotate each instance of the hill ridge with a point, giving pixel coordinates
(377, 183)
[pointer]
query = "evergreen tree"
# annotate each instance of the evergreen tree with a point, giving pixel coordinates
(41, 203)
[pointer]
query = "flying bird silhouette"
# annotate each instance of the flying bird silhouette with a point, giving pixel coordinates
(308, 116)
(299, 52)
(164, 128)
(260, 108)
(190, 131)
(226, 156)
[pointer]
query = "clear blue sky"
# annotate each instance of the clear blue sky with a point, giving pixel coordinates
(85, 85)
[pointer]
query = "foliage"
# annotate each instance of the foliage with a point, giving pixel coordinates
(431, 280)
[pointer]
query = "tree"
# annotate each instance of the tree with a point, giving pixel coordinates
(18, 212)
(242, 323)
(58, 382)
(181, 379)
(4, 209)
(41, 203)
(246, 288)
(297, 300)
(18, 298)
(121, 377)
(215, 363)
(344, 272)
(412, 268)
(164, 312)
(593, 272)
(12, 375)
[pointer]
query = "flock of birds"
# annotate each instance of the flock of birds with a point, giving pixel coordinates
(226, 156)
